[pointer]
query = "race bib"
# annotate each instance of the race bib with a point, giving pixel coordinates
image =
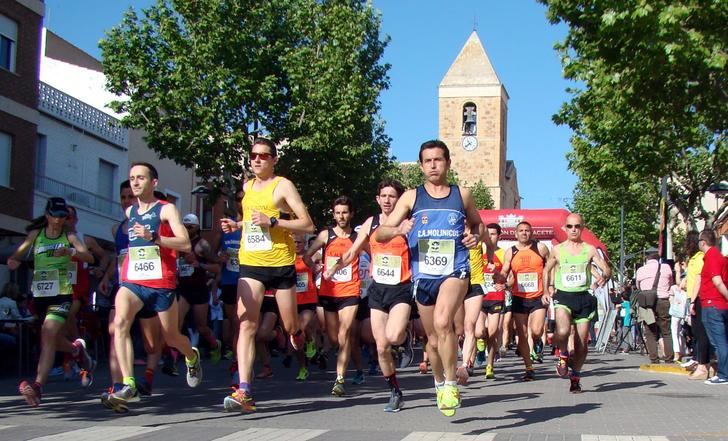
(184, 269)
(46, 283)
(387, 269)
(527, 282)
(436, 256)
(256, 238)
(343, 274)
(145, 263)
(301, 282)
(232, 264)
(489, 282)
(573, 276)
(72, 272)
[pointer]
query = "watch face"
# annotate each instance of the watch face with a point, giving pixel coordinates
(470, 143)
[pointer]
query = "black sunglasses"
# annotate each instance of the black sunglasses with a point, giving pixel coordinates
(570, 226)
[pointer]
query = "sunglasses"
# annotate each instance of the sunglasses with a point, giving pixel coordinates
(262, 156)
(570, 226)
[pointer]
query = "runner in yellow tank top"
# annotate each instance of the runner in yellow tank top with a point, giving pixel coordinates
(267, 260)
(469, 311)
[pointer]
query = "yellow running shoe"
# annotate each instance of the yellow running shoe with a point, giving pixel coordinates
(489, 373)
(448, 399)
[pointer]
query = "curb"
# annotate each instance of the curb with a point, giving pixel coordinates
(664, 368)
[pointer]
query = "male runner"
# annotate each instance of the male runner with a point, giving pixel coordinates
(441, 223)
(307, 301)
(572, 260)
(52, 250)
(390, 294)
(468, 313)
(340, 285)
(526, 259)
(267, 257)
(148, 281)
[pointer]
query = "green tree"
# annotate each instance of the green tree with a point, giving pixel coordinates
(600, 209)
(651, 93)
(410, 175)
(202, 78)
(482, 197)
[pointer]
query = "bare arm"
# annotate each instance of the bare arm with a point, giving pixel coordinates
(549, 268)
(15, 259)
(544, 251)
(181, 240)
(473, 223)
(398, 222)
(507, 256)
(720, 286)
(82, 253)
(316, 245)
(102, 257)
(602, 265)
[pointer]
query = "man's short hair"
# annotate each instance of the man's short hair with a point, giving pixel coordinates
(267, 142)
(344, 200)
(709, 237)
(524, 223)
(124, 185)
(435, 144)
(494, 226)
(152, 170)
(395, 184)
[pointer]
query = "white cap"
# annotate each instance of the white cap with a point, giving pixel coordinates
(190, 219)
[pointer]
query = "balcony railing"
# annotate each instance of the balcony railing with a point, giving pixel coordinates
(81, 115)
(78, 197)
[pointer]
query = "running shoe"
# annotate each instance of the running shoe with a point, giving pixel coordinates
(688, 364)
(144, 388)
(395, 401)
(562, 367)
(105, 395)
(194, 371)
(448, 399)
(423, 367)
(84, 360)
(489, 373)
(266, 372)
(530, 374)
(216, 354)
(479, 358)
(502, 352)
(87, 378)
(462, 376)
(358, 377)
(407, 352)
(119, 401)
(338, 389)
(575, 387)
(302, 374)
(310, 349)
(31, 392)
(240, 401)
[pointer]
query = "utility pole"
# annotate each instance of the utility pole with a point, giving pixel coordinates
(621, 243)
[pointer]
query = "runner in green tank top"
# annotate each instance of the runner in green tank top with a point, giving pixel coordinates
(571, 264)
(52, 250)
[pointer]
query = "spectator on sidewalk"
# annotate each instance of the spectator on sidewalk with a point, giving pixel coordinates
(661, 326)
(9, 311)
(678, 313)
(701, 346)
(714, 301)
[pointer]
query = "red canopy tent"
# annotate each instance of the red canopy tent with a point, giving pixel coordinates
(547, 225)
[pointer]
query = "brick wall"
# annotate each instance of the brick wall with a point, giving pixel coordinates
(17, 201)
(22, 85)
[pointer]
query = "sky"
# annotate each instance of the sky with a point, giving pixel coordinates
(426, 37)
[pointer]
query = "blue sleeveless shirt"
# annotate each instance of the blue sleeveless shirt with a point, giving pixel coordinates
(435, 242)
(230, 245)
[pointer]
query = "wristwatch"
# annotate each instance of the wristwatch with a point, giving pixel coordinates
(273, 221)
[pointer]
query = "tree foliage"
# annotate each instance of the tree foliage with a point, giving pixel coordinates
(652, 95)
(482, 197)
(202, 78)
(410, 175)
(600, 209)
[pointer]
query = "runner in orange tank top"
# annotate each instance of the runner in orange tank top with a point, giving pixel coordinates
(339, 293)
(526, 261)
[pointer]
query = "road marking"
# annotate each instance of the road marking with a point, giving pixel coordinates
(262, 434)
(622, 438)
(106, 433)
(447, 436)
(5, 427)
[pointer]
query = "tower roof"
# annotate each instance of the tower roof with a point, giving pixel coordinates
(471, 67)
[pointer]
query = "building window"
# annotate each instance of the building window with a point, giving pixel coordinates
(106, 179)
(6, 150)
(8, 43)
(204, 213)
(470, 119)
